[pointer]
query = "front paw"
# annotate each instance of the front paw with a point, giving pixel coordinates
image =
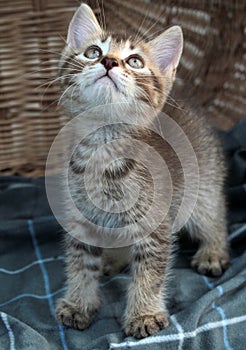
(70, 315)
(145, 325)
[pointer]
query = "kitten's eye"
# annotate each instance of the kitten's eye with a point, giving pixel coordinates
(93, 52)
(135, 62)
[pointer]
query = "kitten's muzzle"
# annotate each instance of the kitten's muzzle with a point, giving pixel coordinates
(109, 62)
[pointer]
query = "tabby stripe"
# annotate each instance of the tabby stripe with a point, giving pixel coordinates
(144, 85)
(139, 257)
(76, 169)
(92, 267)
(118, 172)
(76, 244)
(95, 251)
(156, 81)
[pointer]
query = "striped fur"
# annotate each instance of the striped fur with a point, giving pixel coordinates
(144, 90)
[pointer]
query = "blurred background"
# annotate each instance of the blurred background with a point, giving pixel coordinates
(211, 73)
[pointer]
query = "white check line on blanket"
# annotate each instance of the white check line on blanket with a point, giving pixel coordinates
(47, 296)
(45, 275)
(220, 310)
(9, 329)
(175, 337)
(180, 330)
(120, 277)
(29, 295)
(236, 233)
(24, 268)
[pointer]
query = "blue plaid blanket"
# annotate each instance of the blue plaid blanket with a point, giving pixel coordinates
(205, 313)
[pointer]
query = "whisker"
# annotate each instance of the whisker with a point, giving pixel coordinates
(153, 24)
(137, 36)
(66, 43)
(55, 102)
(175, 105)
(49, 83)
(65, 91)
(104, 18)
(54, 81)
(101, 16)
(74, 63)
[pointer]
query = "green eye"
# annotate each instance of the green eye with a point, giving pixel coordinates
(135, 62)
(93, 52)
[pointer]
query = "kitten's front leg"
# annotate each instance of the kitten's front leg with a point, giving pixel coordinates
(145, 312)
(81, 300)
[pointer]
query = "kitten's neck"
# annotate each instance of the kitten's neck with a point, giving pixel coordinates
(114, 120)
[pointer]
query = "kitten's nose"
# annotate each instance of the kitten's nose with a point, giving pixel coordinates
(109, 62)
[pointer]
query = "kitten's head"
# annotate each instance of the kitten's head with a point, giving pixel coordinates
(100, 68)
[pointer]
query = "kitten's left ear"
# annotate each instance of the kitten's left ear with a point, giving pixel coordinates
(167, 49)
(82, 26)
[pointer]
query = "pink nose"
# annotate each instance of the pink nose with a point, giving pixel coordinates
(109, 62)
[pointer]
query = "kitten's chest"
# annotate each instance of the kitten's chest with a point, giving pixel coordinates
(96, 152)
(105, 185)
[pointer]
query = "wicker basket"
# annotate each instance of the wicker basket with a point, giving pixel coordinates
(212, 68)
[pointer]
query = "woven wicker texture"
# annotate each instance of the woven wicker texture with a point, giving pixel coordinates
(212, 69)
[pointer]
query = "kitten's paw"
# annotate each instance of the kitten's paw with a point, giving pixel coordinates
(70, 315)
(143, 326)
(209, 262)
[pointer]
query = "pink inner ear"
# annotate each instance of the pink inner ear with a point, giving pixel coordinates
(167, 48)
(75, 38)
(82, 26)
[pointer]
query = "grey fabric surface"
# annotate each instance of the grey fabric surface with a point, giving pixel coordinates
(206, 313)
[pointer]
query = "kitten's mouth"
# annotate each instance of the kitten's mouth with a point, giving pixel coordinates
(106, 76)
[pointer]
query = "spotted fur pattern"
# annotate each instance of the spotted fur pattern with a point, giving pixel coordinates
(85, 86)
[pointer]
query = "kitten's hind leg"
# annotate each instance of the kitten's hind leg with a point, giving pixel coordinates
(81, 300)
(212, 257)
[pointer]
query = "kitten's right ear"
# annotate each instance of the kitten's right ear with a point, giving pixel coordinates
(82, 26)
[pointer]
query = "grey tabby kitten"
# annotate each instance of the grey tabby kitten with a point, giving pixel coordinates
(130, 78)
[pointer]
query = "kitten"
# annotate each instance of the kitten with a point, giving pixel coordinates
(125, 82)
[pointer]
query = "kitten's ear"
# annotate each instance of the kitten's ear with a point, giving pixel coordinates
(167, 49)
(82, 26)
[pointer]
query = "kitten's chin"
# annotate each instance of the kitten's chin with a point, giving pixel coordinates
(107, 82)
(103, 91)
